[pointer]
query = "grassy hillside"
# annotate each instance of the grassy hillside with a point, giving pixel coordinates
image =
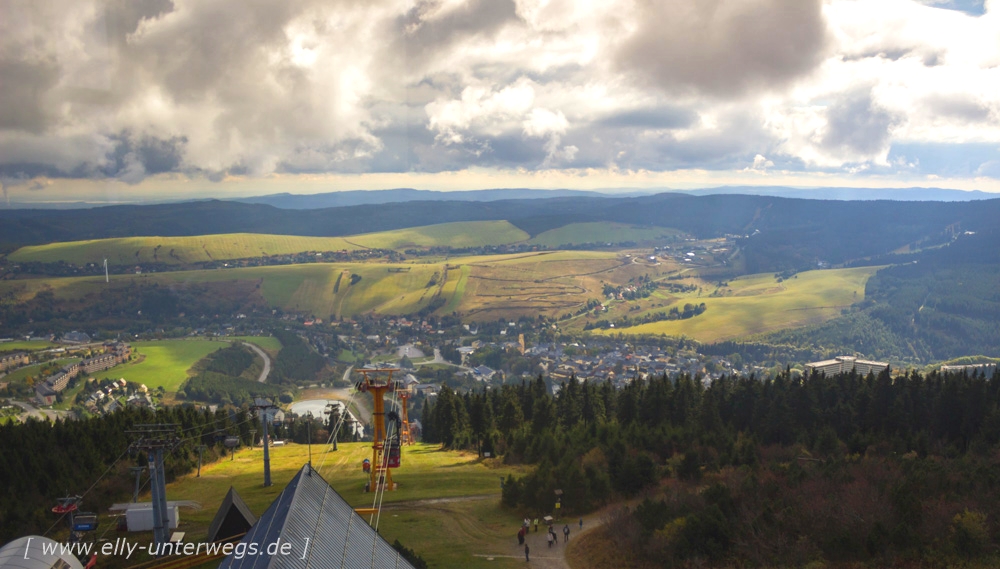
(601, 232)
(479, 288)
(457, 235)
(205, 248)
(446, 533)
(542, 283)
(760, 303)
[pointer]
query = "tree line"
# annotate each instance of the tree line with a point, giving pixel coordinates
(42, 460)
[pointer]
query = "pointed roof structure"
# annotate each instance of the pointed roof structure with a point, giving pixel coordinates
(233, 518)
(322, 529)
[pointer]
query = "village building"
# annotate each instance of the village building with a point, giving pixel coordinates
(845, 364)
(11, 361)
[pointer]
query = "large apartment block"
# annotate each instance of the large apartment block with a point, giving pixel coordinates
(11, 361)
(844, 364)
(99, 363)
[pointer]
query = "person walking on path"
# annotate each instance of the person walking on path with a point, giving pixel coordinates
(581, 524)
(566, 532)
(526, 550)
(548, 537)
(536, 524)
(520, 536)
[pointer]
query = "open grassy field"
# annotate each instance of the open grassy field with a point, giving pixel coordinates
(165, 363)
(269, 344)
(23, 346)
(759, 303)
(601, 232)
(204, 248)
(446, 507)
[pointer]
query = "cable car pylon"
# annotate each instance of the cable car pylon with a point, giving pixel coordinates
(385, 445)
(404, 432)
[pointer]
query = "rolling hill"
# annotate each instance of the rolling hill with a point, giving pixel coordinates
(780, 233)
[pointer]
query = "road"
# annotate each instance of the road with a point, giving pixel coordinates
(267, 361)
(410, 351)
(440, 360)
(31, 411)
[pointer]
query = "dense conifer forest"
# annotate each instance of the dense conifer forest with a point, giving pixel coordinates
(776, 472)
(42, 461)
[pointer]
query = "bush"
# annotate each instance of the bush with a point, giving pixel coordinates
(969, 534)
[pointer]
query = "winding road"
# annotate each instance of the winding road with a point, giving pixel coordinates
(267, 361)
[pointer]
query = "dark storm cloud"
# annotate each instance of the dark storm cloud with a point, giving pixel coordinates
(134, 158)
(724, 47)
(506, 150)
(420, 38)
(856, 125)
(24, 86)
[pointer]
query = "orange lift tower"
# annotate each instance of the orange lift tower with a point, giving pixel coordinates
(385, 453)
(405, 438)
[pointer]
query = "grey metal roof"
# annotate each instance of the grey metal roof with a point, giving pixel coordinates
(323, 530)
(232, 500)
(26, 553)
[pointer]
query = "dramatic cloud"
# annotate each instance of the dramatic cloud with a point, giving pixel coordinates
(724, 47)
(174, 90)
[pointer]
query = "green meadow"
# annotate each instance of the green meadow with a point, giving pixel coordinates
(760, 303)
(25, 346)
(446, 507)
(269, 344)
(163, 363)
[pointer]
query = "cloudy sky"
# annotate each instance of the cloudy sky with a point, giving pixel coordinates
(146, 99)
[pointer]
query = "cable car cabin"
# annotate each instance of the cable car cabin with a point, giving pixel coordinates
(366, 465)
(64, 508)
(85, 521)
(392, 454)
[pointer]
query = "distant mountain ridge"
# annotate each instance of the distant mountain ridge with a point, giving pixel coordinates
(777, 234)
(401, 195)
(851, 194)
(365, 197)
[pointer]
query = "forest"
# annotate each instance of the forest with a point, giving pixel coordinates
(935, 305)
(783, 471)
(42, 461)
(228, 376)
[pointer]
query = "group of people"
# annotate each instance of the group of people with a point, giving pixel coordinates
(550, 534)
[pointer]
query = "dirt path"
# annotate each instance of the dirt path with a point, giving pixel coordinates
(541, 554)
